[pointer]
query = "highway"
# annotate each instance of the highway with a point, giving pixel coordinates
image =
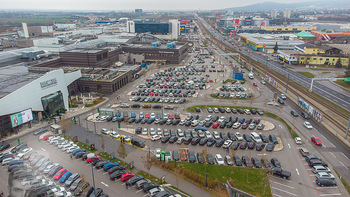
(329, 92)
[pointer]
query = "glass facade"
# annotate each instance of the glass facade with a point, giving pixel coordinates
(52, 103)
(153, 27)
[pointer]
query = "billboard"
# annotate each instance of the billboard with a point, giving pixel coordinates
(21, 117)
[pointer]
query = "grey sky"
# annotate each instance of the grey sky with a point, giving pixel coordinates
(129, 4)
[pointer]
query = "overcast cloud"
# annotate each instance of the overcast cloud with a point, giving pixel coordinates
(129, 4)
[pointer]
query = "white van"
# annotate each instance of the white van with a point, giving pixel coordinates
(251, 75)
(255, 137)
(317, 169)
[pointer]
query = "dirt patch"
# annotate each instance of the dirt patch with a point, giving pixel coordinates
(279, 146)
(268, 125)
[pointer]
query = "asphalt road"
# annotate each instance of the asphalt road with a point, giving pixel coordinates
(333, 94)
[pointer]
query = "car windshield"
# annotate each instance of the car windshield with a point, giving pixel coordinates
(58, 173)
(219, 159)
(317, 140)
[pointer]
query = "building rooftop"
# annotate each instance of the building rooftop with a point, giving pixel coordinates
(344, 47)
(15, 76)
(163, 46)
(305, 35)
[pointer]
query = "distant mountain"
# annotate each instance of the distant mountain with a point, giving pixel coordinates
(267, 6)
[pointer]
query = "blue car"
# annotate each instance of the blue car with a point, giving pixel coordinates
(200, 128)
(65, 177)
(15, 162)
(241, 120)
(78, 151)
(110, 165)
(151, 120)
(133, 115)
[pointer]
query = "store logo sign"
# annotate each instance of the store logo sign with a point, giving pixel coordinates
(48, 83)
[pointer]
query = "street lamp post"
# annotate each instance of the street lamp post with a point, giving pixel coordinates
(90, 156)
(206, 179)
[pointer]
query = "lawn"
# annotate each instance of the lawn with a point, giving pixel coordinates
(342, 82)
(237, 176)
(307, 74)
(274, 116)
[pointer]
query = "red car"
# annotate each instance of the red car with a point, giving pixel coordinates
(215, 125)
(126, 176)
(171, 116)
(59, 174)
(89, 160)
(46, 137)
(151, 94)
(316, 140)
(211, 81)
(180, 94)
(256, 84)
(183, 156)
(210, 71)
(147, 115)
(156, 93)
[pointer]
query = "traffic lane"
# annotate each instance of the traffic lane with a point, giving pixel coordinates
(56, 155)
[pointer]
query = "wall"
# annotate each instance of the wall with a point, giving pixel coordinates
(321, 60)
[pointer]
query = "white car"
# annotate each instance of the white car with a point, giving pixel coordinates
(307, 125)
(219, 159)
(144, 131)
(247, 111)
(325, 175)
(159, 131)
(208, 134)
(127, 139)
(194, 123)
(182, 122)
(298, 140)
(180, 133)
(71, 149)
(208, 118)
(105, 131)
(58, 189)
(221, 119)
(236, 125)
(155, 137)
(227, 144)
(228, 110)
(157, 153)
(239, 136)
(23, 152)
(154, 191)
(114, 134)
(216, 135)
(153, 115)
(63, 194)
(152, 131)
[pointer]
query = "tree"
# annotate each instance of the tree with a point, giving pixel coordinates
(100, 93)
(338, 64)
(275, 48)
(65, 124)
(102, 142)
(147, 162)
(121, 151)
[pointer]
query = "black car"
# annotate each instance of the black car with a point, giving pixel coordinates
(243, 145)
(210, 159)
(276, 163)
(94, 162)
(270, 146)
(187, 140)
(197, 109)
(256, 162)
(239, 110)
(264, 138)
(266, 163)
(211, 142)
(117, 174)
(97, 191)
(260, 146)
(134, 179)
(138, 130)
(305, 115)
(223, 136)
(247, 138)
(149, 186)
(234, 110)
(200, 158)
(165, 139)
(325, 182)
(203, 141)
(173, 139)
(137, 142)
(79, 155)
(246, 161)
(237, 160)
(219, 142)
(273, 138)
(294, 113)
(235, 145)
(100, 164)
(231, 136)
(208, 124)
(195, 141)
(245, 126)
(251, 145)
(281, 101)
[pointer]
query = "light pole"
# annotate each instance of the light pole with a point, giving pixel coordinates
(206, 179)
(91, 156)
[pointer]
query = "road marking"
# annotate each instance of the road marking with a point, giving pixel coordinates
(338, 194)
(333, 155)
(139, 190)
(105, 173)
(276, 195)
(345, 156)
(289, 145)
(43, 149)
(297, 171)
(281, 179)
(332, 144)
(104, 184)
(280, 126)
(344, 165)
(282, 184)
(324, 146)
(123, 184)
(99, 170)
(327, 187)
(284, 191)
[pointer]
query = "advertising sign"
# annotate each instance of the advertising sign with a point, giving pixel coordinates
(231, 28)
(21, 117)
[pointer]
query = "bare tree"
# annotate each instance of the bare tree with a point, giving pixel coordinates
(121, 151)
(65, 124)
(102, 142)
(233, 152)
(147, 162)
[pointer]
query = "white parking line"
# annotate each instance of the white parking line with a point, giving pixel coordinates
(338, 194)
(284, 191)
(345, 156)
(123, 184)
(333, 155)
(104, 184)
(296, 169)
(326, 187)
(344, 165)
(289, 145)
(282, 184)
(139, 190)
(281, 179)
(105, 173)
(43, 149)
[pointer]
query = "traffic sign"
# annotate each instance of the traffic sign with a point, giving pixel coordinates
(347, 79)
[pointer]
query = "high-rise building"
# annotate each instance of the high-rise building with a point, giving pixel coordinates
(138, 11)
(286, 13)
(170, 28)
(273, 14)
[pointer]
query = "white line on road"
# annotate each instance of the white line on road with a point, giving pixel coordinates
(284, 191)
(324, 146)
(276, 195)
(297, 171)
(345, 156)
(289, 145)
(332, 144)
(282, 184)
(99, 170)
(123, 184)
(327, 187)
(333, 155)
(43, 149)
(104, 184)
(344, 165)
(139, 190)
(280, 126)
(105, 173)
